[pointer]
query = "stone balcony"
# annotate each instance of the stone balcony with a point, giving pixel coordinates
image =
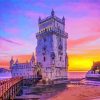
(52, 30)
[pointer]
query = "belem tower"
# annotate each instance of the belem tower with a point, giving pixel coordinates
(51, 61)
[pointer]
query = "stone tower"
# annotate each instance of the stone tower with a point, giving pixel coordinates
(52, 46)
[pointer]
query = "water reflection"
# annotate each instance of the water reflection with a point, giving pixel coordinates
(40, 93)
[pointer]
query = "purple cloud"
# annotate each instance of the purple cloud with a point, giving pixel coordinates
(9, 41)
(12, 30)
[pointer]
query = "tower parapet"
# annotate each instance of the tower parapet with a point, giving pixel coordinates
(51, 21)
(52, 30)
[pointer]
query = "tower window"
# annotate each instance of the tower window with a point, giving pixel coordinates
(44, 59)
(57, 24)
(60, 58)
(44, 39)
(60, 39)
(44, 48)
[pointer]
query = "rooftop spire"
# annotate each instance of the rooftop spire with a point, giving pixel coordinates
(17, 61)
(63, 19)
(11, 62)
(33, 58)
(39, 19)
(52, 12)
(12, 59)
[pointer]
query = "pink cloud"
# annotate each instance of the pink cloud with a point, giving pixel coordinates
(90, 8)
(41, 4)
(12, 30)
(32, 14)
(81, 41)
(83, 27)
(9, 41)
(8, 44)
(16, 46)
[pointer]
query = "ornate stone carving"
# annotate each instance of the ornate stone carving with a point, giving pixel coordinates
(52, 55)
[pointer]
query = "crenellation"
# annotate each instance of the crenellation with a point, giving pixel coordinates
(51, 30)
(55, 18)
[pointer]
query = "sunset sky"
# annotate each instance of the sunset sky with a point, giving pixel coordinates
(19, 23)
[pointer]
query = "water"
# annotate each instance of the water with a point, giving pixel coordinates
(43, 93)
(76, 74)
(47, 93)
(96, 99)
(29, 93)
(5, 75)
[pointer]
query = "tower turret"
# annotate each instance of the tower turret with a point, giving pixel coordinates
(63, 20)
(39, 20)
(11, 62)
(32, 61)
(52, 13)
(16, 61)
(51, 21)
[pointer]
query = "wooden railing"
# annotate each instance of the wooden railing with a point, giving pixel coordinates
(8, 84)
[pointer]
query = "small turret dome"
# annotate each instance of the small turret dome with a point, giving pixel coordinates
(39, 20)
(52, 12)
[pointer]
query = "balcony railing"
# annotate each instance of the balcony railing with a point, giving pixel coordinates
(52, 30)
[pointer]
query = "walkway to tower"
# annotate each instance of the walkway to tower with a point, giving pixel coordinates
(9, 88)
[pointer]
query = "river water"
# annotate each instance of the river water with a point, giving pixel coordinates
(76, 74)
(29, 93)
(45, 93)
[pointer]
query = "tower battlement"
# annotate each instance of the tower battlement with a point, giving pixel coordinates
(52, 30)
(51, 21)
(62, 21)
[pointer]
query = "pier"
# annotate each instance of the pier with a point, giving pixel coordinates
(9, 88)
(12, 87)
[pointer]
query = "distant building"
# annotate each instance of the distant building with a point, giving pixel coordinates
(94, 73)
(51, 50)
(25, 70)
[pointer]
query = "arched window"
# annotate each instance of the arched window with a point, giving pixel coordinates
(44, 39)
(60, 58)
(44, 58)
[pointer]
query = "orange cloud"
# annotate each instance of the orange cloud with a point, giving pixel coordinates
(21, 59)
(83, 40)
(4, 64)
(77, 62)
